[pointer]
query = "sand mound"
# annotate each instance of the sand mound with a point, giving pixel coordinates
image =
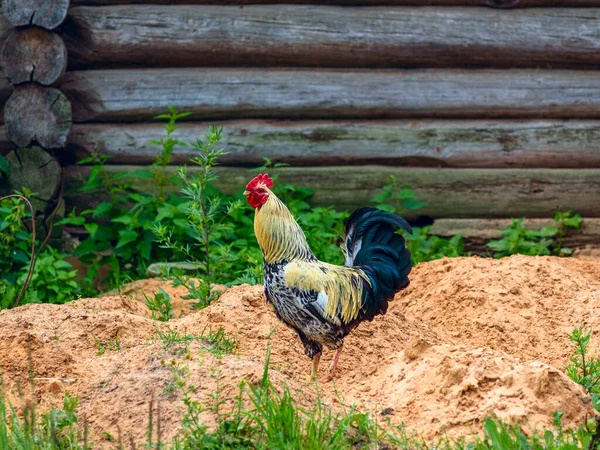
(470, 338)
(523, 305)
(456, 388)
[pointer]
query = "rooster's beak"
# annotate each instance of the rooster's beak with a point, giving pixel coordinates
(246, 193)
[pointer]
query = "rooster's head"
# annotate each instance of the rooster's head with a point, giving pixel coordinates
(258, 190)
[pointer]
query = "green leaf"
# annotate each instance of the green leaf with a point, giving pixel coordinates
(125, 219)
(183, 114)
(95, 172)
(20, 256)
(125, 237)
(165, 211)
(4, 166)
(89, 159)
(386, 207)
(91, 228)
(548, 231)
(61, 264)
(381, 197)
(92, 183)
(498, 245)
(143, 199)
(412, 204)
(102, 209)
(134, 174)
(72, 220)
(406, 193)
(126, 253)
(145, 249)
(23, 236)
(181, 223)
(573, 222)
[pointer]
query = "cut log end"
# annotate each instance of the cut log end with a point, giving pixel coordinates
(42, 13)
(35, 170)
(34, 55)
(38, 114)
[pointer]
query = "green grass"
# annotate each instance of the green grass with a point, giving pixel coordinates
(263, 417)
(160, 305)
(113, 345)
(26, 430)
(218, 343)
(273, 420)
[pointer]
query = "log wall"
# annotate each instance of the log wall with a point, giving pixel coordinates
(487, 108)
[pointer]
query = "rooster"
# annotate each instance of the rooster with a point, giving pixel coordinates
(323, 302)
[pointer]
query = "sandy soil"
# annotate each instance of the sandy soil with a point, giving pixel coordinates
(469, 338)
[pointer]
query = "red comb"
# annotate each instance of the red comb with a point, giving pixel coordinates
(258, 180)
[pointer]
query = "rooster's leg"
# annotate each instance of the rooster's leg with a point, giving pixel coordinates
(315, 368)
(335, 361)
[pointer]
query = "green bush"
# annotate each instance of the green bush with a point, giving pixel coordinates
(516, 239)
(53, 280)
(423, 247)
(120, 229)
(160, 305)
(583, 368)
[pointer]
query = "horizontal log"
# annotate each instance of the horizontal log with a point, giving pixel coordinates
(34, 54)
(416, 143)
(478, 232)
(326, 36)
(491, 3)
(134, 95)
(448, 192)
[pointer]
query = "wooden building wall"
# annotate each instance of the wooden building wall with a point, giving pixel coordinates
(486, 108)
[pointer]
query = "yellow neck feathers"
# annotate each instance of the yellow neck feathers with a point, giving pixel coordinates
(277, 232)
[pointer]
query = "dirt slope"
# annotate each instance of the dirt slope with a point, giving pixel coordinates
(471, 337)
(523, 305)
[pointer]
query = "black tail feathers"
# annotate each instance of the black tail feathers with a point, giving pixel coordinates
(373, 244)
